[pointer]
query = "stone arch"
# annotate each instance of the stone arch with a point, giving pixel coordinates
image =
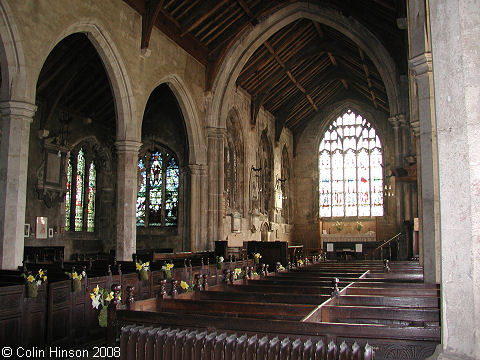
(246, 45)
(123, 96)
(12, 60)
(195, 131)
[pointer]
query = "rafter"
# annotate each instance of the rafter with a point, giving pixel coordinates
(289, 74)
(247, 10)
(149, 17)
(202, 12)
(367, 77)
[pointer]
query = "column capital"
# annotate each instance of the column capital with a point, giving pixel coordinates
(18, 109)
(402, 119)
(393, 120)
(415, 125)
(216, 132)
(421, 64)
(195, 168)
(127, 145)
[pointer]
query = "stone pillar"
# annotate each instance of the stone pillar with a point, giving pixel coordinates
(215, 137)
(127, 159)
(422, 67)
(206, 245)
(416, 131)
(15, 121)
(398, 153)
(455, 29)
(195, 214)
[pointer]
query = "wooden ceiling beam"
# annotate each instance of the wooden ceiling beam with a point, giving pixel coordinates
(367, 77)
(149, 17)
(202, 12)
(246, 9)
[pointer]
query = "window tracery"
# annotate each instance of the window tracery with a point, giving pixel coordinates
(350, 169)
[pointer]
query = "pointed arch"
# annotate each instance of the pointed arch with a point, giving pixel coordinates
(246, 45)
(195, 131)
(12, 59)
(125, 107)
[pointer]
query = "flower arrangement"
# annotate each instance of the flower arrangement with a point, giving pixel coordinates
(237, 273)
(102, 297)
(76, 280)
(256, 258)
(339, 226)
(167, 270)
(33, 282)
(359, 226)
(185, 287)
(280, 267)
(142, 269)
(220, 260)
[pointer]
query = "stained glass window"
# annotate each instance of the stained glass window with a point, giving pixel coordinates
(155, 179)
(92, 184)
(79, 191)
(68, 196)
(350, 169)
(142, 192)
(158, 183)
(171, 193)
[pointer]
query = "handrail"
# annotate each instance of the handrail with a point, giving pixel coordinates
(384, 243)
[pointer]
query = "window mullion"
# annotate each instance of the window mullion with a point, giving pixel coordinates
(73, 187)
(164, 187)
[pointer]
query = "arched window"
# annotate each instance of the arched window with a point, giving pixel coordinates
(158, 181)
(350, 169)
(83, 187)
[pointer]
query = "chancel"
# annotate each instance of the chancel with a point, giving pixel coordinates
(240, 179)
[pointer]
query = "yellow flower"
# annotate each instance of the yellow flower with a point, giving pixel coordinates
(44, 278)
(40, 272)
(183, 285)
(258, 256)
(109, 296)
(147, 263)
(74, 275)
(92, 296)
(138, 266)
(169, 266)
(30, 278)
(96, 290)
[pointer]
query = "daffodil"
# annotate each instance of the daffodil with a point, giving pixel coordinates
(40, 272)
(95, 303)
(96, 290)
(30, 278)
(138, 266)
(74, 275)
(183, 285)
(147, 263)
(44, 278)
(109, 296)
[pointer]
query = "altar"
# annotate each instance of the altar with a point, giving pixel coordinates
(356, 245)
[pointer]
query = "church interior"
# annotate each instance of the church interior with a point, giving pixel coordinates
(210, 179)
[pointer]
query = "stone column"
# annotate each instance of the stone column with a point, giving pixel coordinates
(430, 225)
(127, 159)
(215, 137)
(194, 225)
(206, 245)
(455, 29)
(15, 121)
(398, 188)
(415, 125)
